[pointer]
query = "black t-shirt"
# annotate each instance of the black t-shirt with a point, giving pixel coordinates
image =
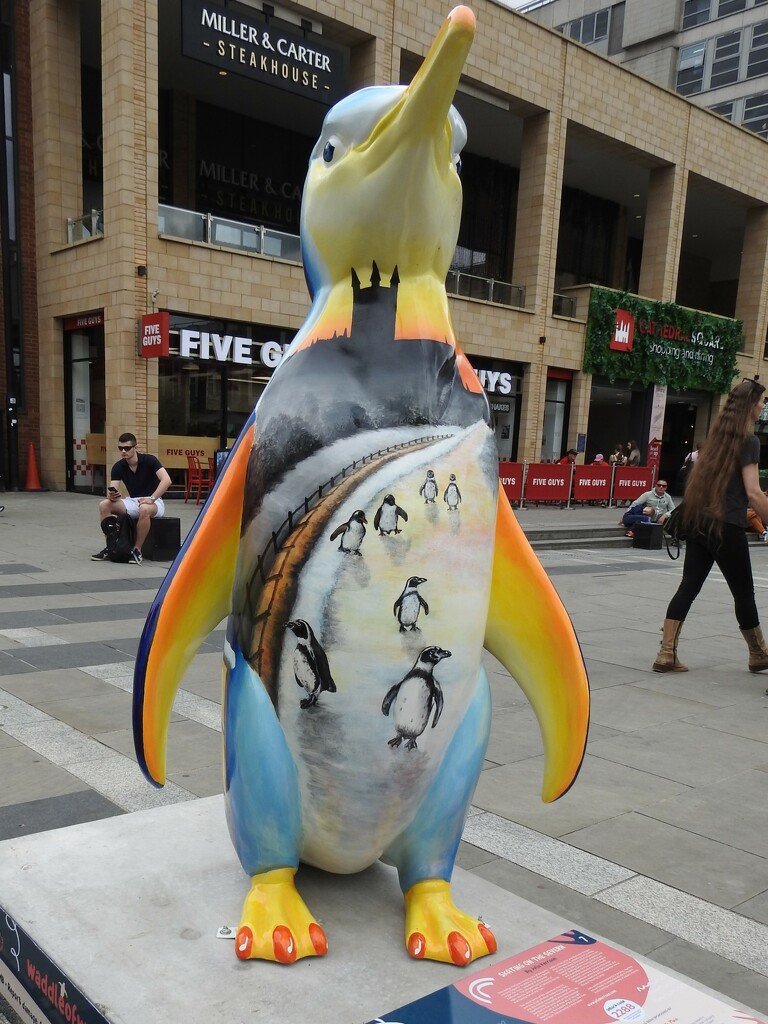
(735, 495)
(142, 482)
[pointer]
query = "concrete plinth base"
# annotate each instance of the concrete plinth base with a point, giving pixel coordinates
(128, 908)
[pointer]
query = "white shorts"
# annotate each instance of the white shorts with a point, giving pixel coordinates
(132, 507)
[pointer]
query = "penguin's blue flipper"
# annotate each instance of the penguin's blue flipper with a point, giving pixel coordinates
(425, 852)
(264, 817)
(530, 633)
(193, 598)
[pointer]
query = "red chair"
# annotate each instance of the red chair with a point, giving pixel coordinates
(196, 477)
(211, 471)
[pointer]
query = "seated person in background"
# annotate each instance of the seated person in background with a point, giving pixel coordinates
(754, 522)
(652, 507)
(569, 458)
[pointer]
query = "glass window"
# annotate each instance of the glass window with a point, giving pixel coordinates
(723, 109)
(758, 54)
(730, 7)
(756, 114)
(601, 24)
(690, 74)
(695, 12)
(725, 66)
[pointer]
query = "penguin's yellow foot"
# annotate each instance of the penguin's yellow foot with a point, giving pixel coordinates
(435, 929)
(276, 923)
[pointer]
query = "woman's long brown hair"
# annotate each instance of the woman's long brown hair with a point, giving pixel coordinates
(719, 460)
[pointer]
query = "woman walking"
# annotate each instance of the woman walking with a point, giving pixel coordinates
(723, 481)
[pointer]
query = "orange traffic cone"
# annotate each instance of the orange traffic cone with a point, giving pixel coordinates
(33, 477)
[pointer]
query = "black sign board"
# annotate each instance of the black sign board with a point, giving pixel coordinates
(299, 62)
(31, 981)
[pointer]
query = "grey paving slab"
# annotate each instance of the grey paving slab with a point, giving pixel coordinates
(207, 781)
(94, 713)
(733, 981)
(683, 752)
(190, 746)
(604, 790)
(69, 655)
(17, 568)
(602, 674)
(738, 720)
(95, 612)
(84, 632)
(756, 908)
(712, 687)
(574, 906)
(741, 940)
(11, 666)
(54, 812)
(733, 812)
(37, 688)
(6, 740)
(701, 866)
(27, 775)
(630, 708)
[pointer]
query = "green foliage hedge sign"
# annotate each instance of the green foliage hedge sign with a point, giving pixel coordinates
(636, 339)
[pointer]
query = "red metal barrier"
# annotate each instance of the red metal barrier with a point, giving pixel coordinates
(547, 481)
(511, 477)
(592, 483)
(629, 482)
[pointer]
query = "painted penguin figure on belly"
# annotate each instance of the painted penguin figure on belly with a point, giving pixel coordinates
(373, 398)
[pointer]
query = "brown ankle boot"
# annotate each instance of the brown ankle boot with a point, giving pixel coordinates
(666, 659)
(758, 655)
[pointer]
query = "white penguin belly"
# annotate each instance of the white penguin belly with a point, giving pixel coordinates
(411, 708)
(353, 536)
(388, 518)
(430, 491)
(409, 609)
(303, 670)
(357, 792)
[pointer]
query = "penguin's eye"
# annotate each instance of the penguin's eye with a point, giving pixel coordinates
(328, 152)
(458, 165)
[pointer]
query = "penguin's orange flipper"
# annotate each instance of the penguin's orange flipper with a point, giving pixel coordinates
(194, 597)
(530, 633)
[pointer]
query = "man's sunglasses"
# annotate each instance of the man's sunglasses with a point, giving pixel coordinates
(125, 447)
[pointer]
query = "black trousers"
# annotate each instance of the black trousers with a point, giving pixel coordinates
(732, 557)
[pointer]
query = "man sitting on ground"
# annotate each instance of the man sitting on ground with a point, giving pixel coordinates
(146, 481)
(652, 507)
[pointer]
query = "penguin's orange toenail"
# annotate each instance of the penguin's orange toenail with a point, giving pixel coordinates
(284, 945)
(459, 948)
(244, 943)
(488, 936)
(318, 939)
(417, 945)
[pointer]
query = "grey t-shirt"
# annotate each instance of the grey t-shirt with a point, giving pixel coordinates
(735, 494)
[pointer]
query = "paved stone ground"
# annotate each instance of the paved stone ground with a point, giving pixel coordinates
(661, 845)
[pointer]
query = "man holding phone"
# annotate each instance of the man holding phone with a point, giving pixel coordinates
(146, 481)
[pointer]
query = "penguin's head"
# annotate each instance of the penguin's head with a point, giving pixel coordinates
(415, 581)
(430, 474)
(389, 499)
(431, 655)
(359, 516)
(299, 628)
(383, 180)
(453, 477)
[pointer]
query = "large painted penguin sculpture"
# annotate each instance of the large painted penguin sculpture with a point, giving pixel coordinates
(373, 393)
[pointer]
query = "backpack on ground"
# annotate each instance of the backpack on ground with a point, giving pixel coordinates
(120, 532)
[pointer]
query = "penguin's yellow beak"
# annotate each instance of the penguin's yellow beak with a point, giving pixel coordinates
(423, 108)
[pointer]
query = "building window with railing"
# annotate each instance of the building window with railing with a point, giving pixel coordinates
(589, 29)
(758, 52)
(726, 7)
(723, 109)
(690, 72)
(725, 64)
(756, 114)
(695, 12)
